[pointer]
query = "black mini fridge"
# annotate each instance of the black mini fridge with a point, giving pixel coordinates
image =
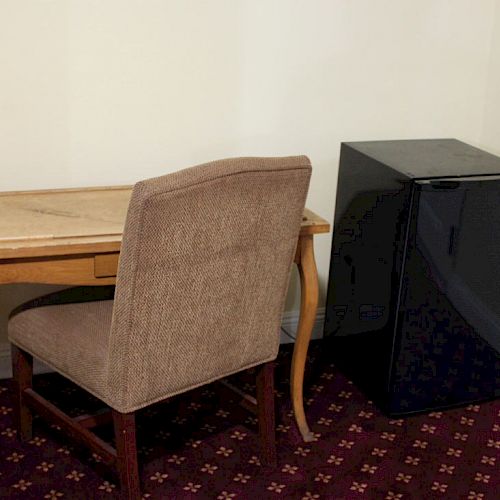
(413, 304)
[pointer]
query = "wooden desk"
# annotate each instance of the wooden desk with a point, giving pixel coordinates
(73, 237)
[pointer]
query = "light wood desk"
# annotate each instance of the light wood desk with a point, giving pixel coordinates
(73, 237)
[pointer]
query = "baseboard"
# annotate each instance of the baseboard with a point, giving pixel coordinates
(290, 322)
(289, 325)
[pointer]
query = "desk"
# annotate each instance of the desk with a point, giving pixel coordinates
(73, 237)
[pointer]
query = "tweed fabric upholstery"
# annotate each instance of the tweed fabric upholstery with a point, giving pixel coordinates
(69, 331)
(203, 273)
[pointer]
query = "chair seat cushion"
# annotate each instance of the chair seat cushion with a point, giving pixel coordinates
(68, 331)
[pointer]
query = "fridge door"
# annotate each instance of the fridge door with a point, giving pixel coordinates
(447, 342)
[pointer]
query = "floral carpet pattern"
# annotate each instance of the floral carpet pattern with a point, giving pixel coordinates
(202, 445)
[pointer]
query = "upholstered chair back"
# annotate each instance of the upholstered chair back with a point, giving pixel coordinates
(203, 273)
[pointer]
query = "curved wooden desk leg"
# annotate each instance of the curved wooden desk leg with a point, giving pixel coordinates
(308, 305)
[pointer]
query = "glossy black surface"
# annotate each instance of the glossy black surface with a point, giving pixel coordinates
(428, 158)
(412, 312)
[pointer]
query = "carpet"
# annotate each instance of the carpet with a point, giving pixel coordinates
(202, 445)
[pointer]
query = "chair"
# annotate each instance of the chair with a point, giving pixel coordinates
(204, 268)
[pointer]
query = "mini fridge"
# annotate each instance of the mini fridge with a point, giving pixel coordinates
(413, 303)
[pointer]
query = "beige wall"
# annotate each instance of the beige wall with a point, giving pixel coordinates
(108, 92)
(490, 134)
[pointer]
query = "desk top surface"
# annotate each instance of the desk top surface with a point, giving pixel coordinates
(73, 221)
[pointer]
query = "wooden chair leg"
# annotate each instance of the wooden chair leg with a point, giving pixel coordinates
(265, 411)
(126, 450)
(22, 372)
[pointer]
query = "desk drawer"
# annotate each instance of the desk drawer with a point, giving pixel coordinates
(106, 265)
(61, 270)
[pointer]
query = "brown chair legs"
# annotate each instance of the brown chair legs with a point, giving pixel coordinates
(126, 455)
(265, 412)
(22, 372)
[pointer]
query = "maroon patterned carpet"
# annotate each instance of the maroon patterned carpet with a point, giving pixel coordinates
(194, 449)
